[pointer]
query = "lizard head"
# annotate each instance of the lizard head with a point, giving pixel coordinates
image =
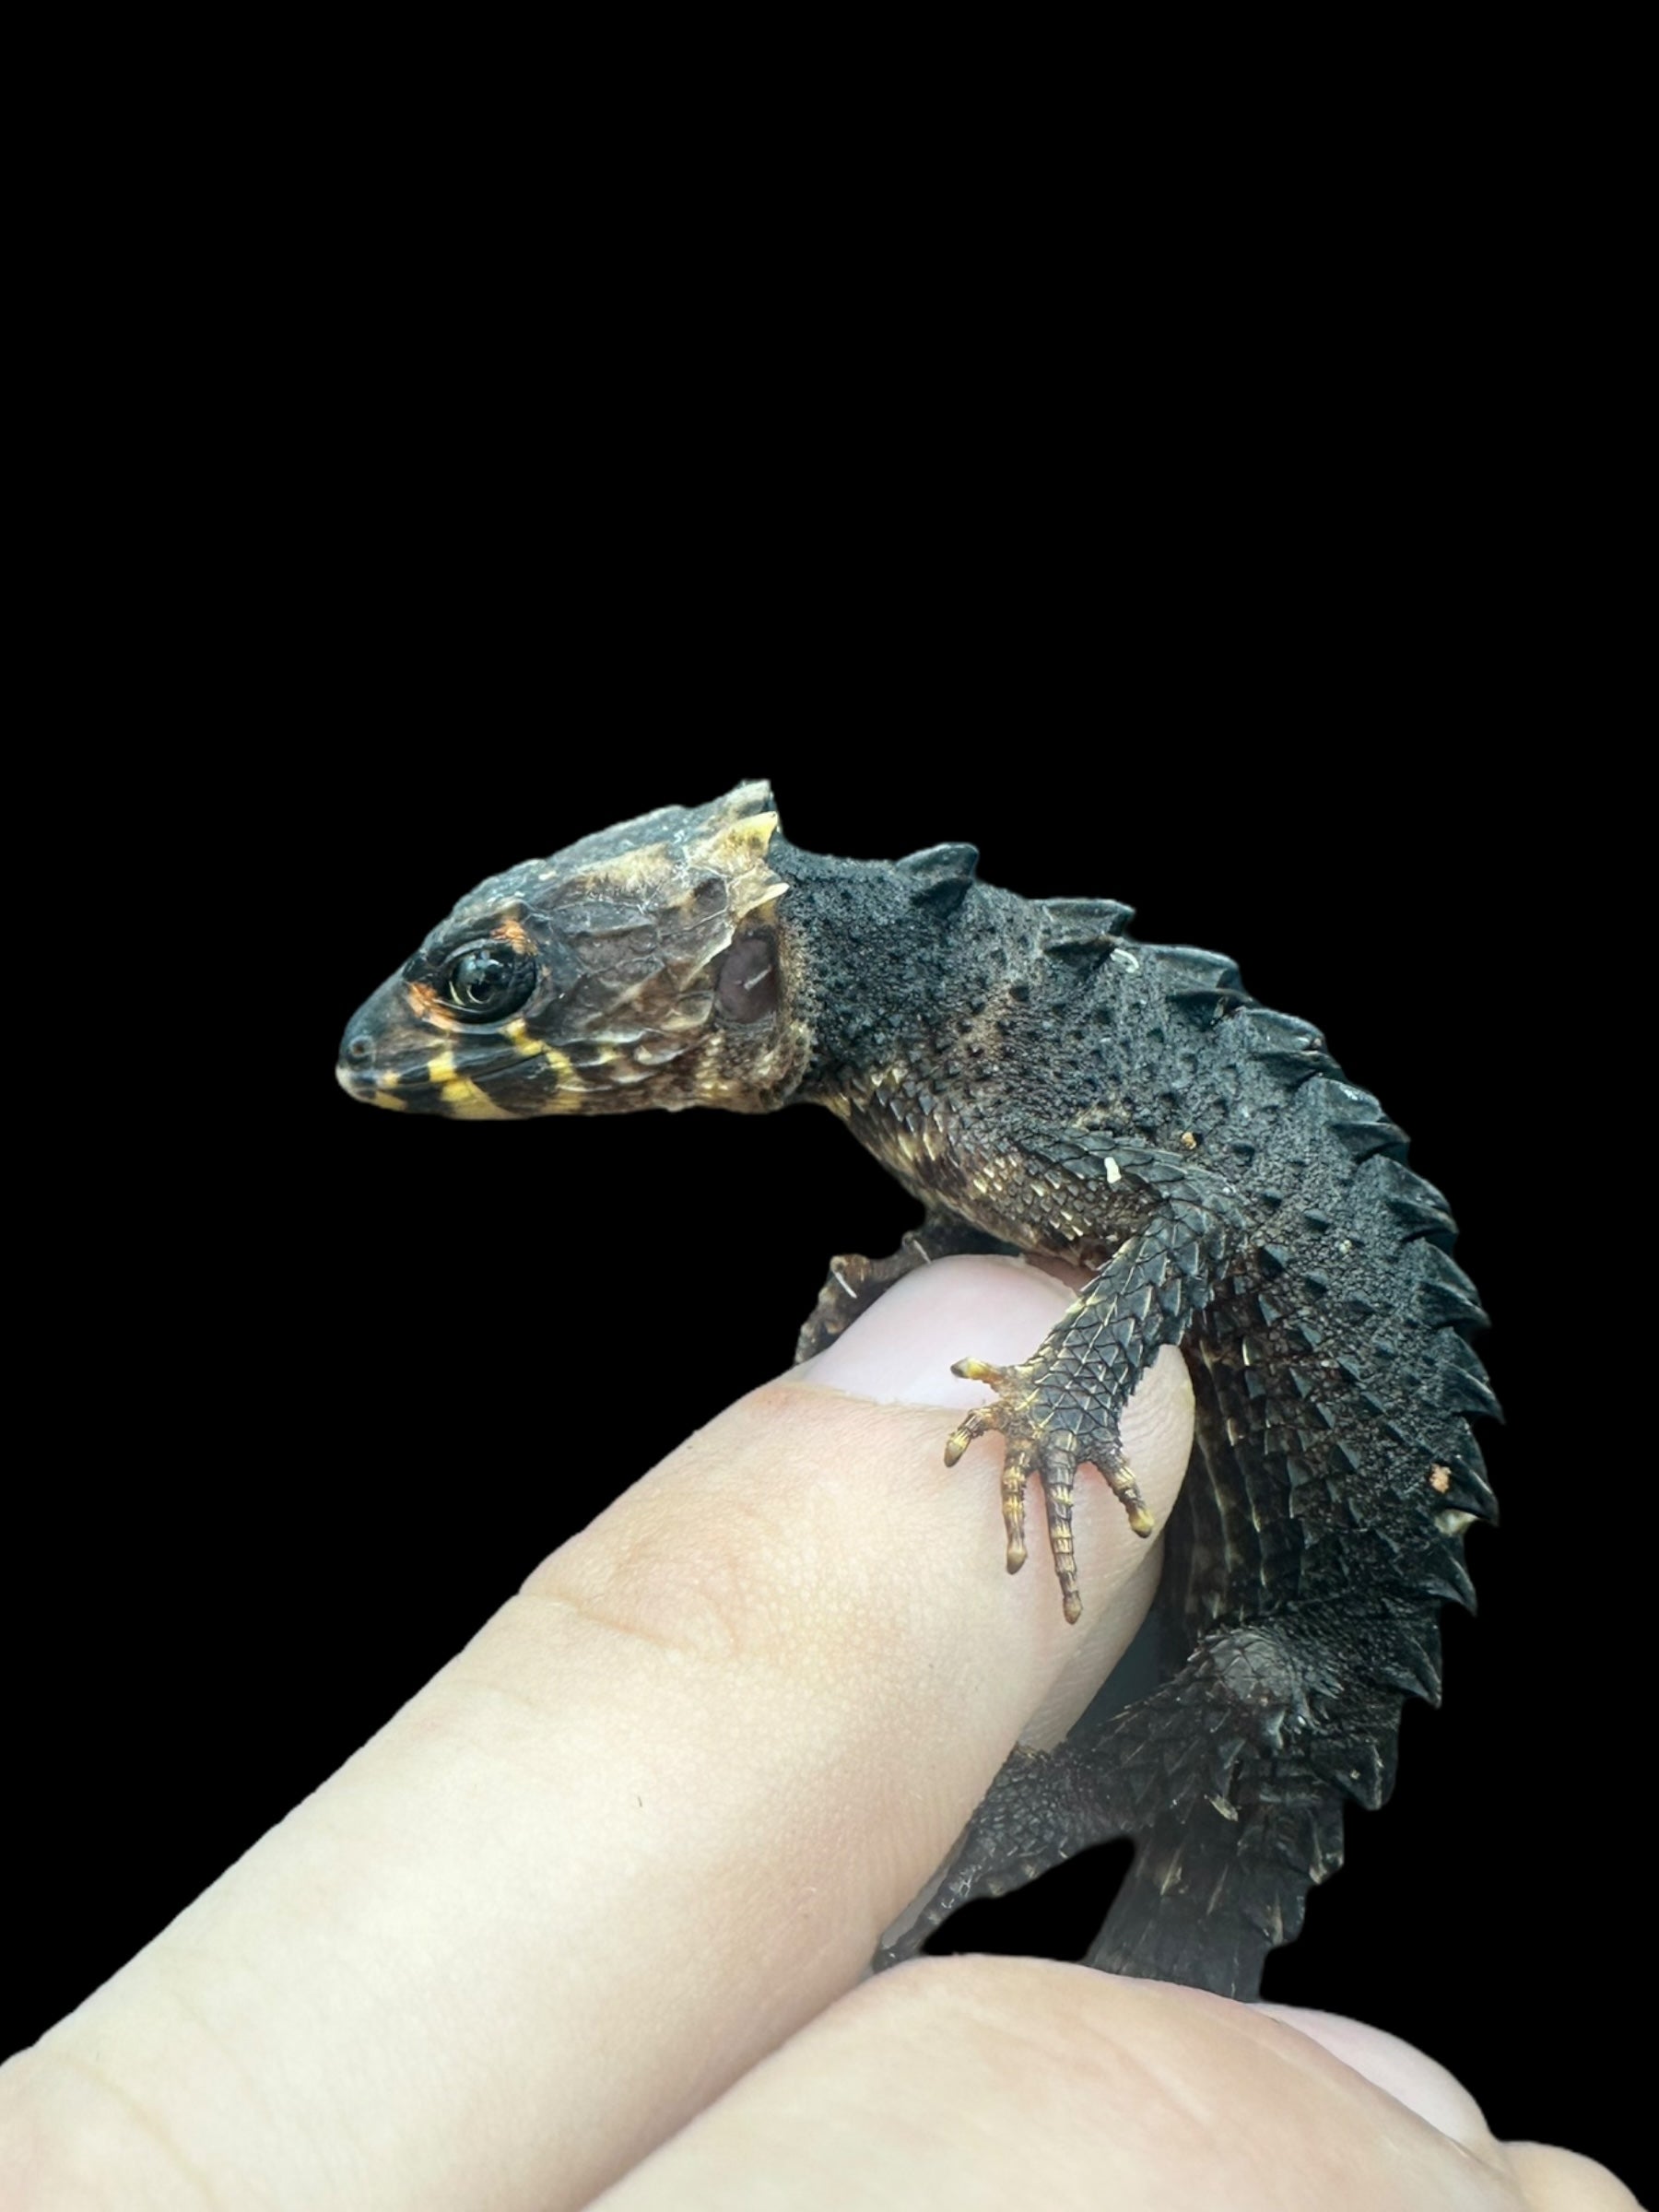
(640, 967)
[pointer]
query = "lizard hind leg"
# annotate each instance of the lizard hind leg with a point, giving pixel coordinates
(1228, 1777)
(1041, 1808)
(1231, 1776)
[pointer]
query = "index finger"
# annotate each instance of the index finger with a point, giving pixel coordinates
(651, 1819)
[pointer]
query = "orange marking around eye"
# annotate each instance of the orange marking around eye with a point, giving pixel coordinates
(429, 1009)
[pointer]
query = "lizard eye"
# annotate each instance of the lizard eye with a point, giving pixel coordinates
(748, 978)
(488, 981)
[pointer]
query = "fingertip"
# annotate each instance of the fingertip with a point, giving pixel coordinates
(1552, 2180)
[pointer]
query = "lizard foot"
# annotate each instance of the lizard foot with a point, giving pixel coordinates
(1037, 1441)
(854, 1283)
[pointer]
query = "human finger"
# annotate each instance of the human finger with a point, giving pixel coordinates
(984, 2082)
(651, 1819)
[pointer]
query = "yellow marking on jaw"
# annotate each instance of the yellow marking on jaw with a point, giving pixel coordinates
(469, 1103)
(384, 1098)
(568, 1095)
(528, 1045)
(461, 1094)
(386, 1077)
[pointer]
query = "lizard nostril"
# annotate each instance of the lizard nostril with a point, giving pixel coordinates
(359, 1048)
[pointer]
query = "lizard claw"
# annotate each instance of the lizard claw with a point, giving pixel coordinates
(981, 1370)
(1017, 1471)
(1120, 1478)
(980, 1422)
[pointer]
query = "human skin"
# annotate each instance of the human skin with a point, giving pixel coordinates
(595, 1908)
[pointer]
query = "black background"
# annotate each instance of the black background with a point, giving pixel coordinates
(314, 1323)
(1269, 646)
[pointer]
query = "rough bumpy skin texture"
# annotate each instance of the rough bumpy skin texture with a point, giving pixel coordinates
(1041, 1082)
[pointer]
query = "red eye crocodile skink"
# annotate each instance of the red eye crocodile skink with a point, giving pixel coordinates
(1042, 1083)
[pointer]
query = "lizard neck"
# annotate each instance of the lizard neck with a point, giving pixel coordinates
(910, 983)
(884, 963)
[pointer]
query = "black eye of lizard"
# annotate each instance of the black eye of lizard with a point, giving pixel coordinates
(488, 982)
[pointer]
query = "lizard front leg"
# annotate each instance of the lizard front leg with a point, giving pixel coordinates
(854, 1283)
(1060, 1409)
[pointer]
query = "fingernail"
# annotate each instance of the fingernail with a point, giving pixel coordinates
(899, 1353)
(1410, 2076)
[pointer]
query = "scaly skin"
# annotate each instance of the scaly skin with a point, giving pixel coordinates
(1042, 1083)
